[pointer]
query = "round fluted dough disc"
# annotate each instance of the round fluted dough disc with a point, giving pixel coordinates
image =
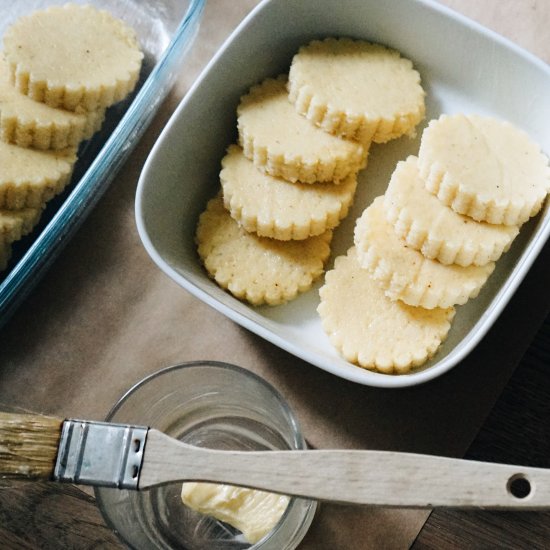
(436, 230)
(357, 89)
(29, 123)
(285, 144)
(29, 178)
(404, 273)
(73, 56)
(276, 208)
(484, 168)
(257, 269)
(373, 331)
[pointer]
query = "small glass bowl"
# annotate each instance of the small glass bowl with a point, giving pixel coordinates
(208, 404)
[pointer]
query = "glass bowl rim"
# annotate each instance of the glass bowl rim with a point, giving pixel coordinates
(297, 436)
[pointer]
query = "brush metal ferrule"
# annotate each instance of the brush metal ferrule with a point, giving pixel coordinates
(100, 453)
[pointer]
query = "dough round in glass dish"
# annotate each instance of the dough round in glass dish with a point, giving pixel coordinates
(74, 57)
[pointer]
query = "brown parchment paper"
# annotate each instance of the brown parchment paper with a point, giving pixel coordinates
(104, 316)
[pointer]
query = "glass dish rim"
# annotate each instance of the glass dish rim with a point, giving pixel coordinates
(298, 438)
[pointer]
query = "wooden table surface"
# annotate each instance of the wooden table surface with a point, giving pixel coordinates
(516, 432)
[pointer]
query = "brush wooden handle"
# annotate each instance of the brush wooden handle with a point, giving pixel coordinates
(358, 477)
(28, 445)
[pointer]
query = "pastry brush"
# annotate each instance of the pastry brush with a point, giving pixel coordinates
(138, 458)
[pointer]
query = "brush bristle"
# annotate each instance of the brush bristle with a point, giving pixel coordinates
(28, 445)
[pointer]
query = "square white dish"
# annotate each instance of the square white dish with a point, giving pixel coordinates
(464, 68)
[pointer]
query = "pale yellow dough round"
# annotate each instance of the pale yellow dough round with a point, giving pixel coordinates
(484, 168)
(5, 254)
(73, 57)
(276, 208)
(436, 230)
(257, 269)
(357, 89)
(285, 144)
(29, 177)
(371, 330)
(15, 224)
(28, 123)
(404, 273)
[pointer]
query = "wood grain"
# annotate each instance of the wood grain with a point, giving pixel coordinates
(51, 516)
(381, 478)
(517, 431)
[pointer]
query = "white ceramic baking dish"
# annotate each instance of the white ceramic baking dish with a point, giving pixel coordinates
(464, 68)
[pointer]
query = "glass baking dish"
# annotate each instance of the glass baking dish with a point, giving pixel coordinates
(166, 29)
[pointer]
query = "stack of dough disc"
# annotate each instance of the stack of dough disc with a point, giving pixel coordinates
(432, 240)
(292, 178)
(60, 69)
